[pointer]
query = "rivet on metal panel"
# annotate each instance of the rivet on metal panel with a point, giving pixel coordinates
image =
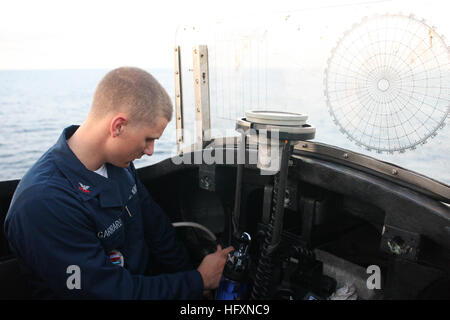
(205, 182)
(398, 246)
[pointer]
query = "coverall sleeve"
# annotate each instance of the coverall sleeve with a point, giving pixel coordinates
(160, 235)
(50, 233)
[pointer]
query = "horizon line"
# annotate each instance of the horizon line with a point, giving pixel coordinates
(75, 69)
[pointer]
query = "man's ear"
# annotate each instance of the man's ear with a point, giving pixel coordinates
(117, 125)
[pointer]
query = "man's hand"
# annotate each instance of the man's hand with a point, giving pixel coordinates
(212, 266)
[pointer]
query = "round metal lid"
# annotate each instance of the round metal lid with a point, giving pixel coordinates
(278, 118)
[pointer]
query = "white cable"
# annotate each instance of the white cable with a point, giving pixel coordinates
(195, 225)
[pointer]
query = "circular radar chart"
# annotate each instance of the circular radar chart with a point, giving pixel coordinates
(387, 83)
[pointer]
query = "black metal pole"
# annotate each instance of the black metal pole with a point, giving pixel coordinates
(238, 191)
(281, 192)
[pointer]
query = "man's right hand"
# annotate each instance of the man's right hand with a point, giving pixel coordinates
(211, 267)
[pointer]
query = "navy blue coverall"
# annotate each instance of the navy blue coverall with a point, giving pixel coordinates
(63, 215)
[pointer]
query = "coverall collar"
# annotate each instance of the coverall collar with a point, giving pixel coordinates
(113, 191)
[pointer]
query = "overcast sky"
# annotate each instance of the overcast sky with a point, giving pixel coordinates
(51, 34)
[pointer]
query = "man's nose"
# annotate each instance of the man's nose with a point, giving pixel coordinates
(149, 148)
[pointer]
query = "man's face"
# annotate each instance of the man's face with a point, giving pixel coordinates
(135, 141)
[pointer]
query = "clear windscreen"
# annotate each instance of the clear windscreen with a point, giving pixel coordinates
(373, 77)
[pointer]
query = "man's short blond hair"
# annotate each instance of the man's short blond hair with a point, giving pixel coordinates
(133, 91)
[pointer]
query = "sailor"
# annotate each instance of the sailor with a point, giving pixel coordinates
(83, 226)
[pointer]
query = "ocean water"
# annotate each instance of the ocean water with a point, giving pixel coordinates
(36, 105)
